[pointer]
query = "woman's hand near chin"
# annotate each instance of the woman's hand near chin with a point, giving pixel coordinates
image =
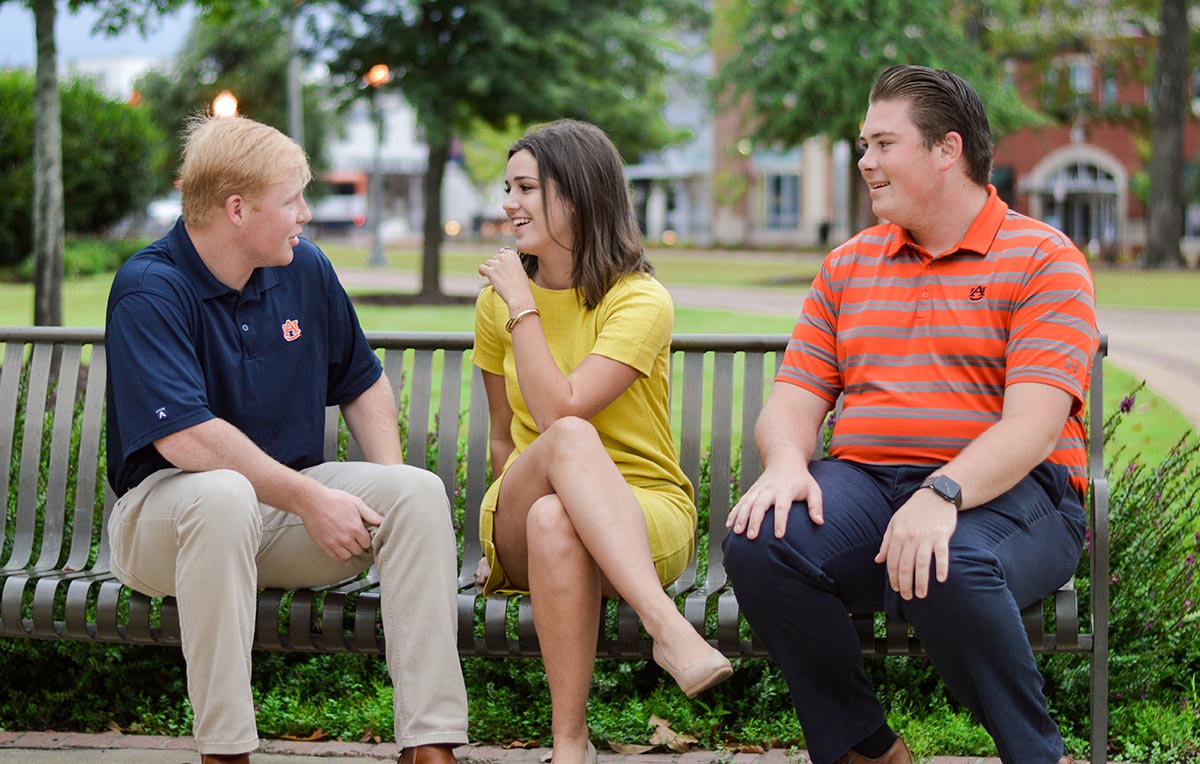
(505, 272)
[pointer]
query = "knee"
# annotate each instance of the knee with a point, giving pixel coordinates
(745, 558)
(419, 497)
(550, 534)
(571, 434)
(973, 576)
(219, 503)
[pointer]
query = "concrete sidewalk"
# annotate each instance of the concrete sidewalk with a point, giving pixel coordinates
(114, 748)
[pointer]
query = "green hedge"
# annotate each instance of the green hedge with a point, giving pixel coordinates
(109, 149)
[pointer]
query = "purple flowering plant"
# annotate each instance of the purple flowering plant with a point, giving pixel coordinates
(1154, 617)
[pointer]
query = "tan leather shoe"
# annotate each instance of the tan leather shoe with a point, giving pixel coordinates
(897, 754)
(224, 758)
(699, 676)
(427, 754)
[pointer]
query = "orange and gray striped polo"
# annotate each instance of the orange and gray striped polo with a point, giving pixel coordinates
(923, 347)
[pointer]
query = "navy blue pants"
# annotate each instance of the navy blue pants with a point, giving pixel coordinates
(797, 592)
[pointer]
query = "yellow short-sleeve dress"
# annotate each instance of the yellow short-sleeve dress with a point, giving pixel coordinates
(632, 325)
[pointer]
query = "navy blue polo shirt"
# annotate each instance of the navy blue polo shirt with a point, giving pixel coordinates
(184, 348)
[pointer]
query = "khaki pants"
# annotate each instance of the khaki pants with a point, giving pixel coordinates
(204, 538)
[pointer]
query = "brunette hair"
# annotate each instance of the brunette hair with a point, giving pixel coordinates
(223, 156)
(584, 167)
(941, 101)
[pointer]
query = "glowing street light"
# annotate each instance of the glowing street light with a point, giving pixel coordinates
(225, 104)
(378, 75)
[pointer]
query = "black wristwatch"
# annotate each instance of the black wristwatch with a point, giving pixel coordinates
(946, 488)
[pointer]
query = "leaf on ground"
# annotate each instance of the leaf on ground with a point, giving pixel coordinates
(114, 727)
(664, 735)
(370, 737)
(520, 744)
(630, 749)
(317, 734)
(749, 749)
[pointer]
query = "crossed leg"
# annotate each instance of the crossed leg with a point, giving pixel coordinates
(569, 528)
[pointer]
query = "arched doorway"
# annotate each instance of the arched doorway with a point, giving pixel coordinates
(1081, 192)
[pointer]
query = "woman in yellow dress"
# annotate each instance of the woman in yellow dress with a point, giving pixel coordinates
(573, 337)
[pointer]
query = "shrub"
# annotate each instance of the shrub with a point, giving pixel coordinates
(87, 256)
(109, 149)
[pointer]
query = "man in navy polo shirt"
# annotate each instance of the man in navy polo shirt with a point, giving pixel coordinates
(226, 340)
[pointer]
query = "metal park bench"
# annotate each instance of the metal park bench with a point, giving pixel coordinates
(55, 581)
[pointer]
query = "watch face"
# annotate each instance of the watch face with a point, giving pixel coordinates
(947, 489)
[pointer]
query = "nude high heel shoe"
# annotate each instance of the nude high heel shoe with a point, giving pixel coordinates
(699, 676)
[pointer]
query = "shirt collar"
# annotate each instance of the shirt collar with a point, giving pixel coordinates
(183, 253)
(978, 238)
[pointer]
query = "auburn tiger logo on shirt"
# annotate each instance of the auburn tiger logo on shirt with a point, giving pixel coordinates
(291, 330)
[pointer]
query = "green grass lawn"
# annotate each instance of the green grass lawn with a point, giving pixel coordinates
(1115, 287)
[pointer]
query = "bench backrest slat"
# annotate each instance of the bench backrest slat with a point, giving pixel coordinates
(10, 388)
(31, 454)
(752, 400)
(448, 417)
(87, 466)
(719, 465)
(65, 371)
(690, 429)
(420, 390)
(477, 472)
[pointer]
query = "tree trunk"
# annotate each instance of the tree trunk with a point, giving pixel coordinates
(431, 190)
(1166, 139)
(47, 181)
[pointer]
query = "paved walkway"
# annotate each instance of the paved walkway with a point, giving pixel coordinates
(1160, 346)
(111, 748)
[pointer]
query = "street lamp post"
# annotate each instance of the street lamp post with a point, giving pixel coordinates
(376, 77)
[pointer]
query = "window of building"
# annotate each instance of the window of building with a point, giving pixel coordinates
(1080, 73)
(1195, 91)
(1108, 85)
(782, 196)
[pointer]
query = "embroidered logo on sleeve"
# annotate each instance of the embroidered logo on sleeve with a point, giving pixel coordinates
(160, 413)
(291, 329)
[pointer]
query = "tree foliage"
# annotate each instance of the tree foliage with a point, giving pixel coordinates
(247, 54)
(804, 69)
(459, 61)
(108, 152)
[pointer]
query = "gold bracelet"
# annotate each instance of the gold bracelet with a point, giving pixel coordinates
(512, 322)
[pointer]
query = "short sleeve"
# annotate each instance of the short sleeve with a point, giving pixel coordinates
(1052, 333)
(489, 348)
(810, 360)
(638, 317)
(155, 377)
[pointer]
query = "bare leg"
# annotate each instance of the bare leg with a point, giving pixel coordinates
(565, 479)
(564, 583)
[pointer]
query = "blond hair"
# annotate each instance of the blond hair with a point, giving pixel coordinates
(223, 156)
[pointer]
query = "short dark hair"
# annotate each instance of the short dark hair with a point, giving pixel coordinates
(584, 167)
(939, 102)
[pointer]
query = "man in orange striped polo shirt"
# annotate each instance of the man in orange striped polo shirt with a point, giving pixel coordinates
(960, 334)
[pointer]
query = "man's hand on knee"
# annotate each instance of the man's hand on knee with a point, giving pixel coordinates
(340, 523)
(777, 487)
